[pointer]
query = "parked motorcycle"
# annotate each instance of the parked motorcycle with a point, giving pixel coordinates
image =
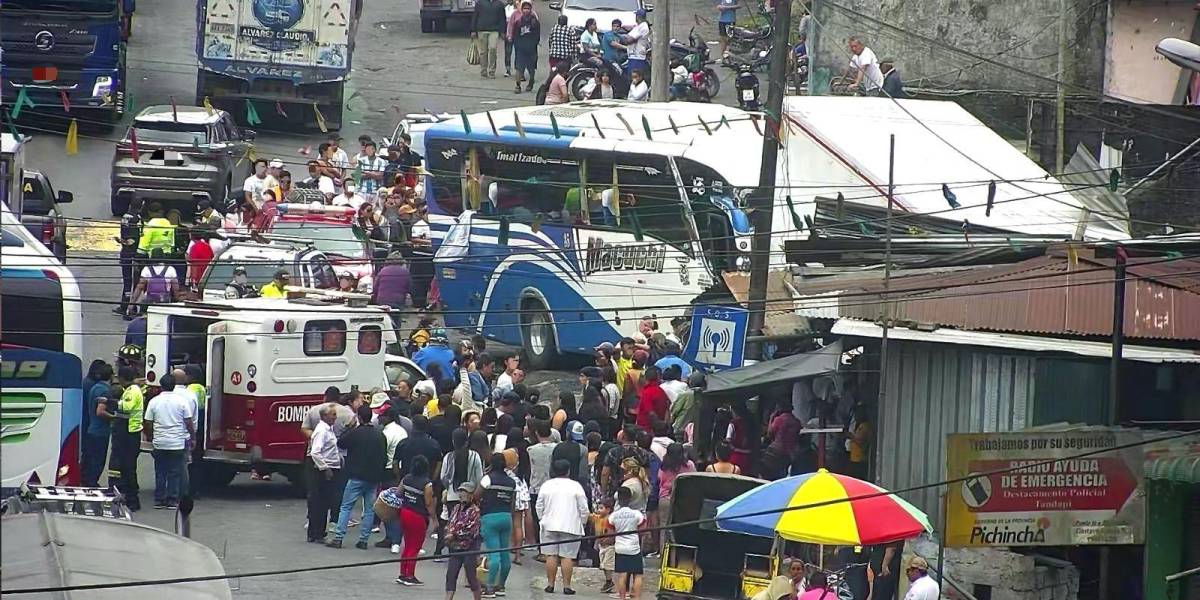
(703, 84)
(582, 78)
(746, 85)
(742, 40)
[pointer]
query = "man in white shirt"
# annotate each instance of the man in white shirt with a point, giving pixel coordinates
(327, 461)
(672, 383)
(921, 585)
(168, 425)
(349, 196)
(865, 65)
(639, 43)
(319, 181)
(562, 509)
(257, 182)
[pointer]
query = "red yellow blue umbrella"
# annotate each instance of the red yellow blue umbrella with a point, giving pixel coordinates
(847, 511)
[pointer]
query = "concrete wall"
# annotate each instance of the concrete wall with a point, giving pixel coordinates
(1009, 575)
(1021, 33)
(1133, 70)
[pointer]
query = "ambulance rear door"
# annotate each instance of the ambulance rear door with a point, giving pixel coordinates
(214, 436)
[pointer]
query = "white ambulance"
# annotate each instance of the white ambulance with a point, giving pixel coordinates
(265, 363)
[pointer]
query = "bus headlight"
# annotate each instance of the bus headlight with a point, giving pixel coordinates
(102, 86)
(742, 263)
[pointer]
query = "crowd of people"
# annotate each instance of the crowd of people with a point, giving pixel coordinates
(622, 52)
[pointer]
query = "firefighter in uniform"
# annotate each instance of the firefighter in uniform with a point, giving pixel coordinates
(240, 287)
(127, 436)
(131, 234)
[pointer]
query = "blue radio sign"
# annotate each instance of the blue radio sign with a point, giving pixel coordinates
(718, 337)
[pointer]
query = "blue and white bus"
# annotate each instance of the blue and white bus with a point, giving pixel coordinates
(41, 400)
(522, 260)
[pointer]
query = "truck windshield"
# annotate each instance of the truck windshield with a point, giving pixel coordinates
(339, 240)
(87, 6)
(170, 133)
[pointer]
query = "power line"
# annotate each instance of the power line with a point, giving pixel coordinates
(1026, 467)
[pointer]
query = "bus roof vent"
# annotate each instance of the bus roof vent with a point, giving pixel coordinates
(91, 502)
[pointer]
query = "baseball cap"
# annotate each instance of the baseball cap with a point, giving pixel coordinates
(606, 347)
(590, 427)
(276, 164)
(917, 562)
(425, 386)
(641, 356)
(346, 274)
(239, 269)
(282, 274)
(641, 12)
(467, 487)
(576, 431)
(378, 399)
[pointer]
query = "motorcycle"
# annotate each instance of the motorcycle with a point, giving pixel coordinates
(702, 83)
(758, 60)
(743, 40)
(746, 85)
(583, 76)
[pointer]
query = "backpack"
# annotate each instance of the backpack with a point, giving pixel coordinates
(158, 286)
(462, 532)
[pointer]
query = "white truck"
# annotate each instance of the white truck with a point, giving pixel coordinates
(288, 58)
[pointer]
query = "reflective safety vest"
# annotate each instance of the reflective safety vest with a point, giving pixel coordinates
(157, 233)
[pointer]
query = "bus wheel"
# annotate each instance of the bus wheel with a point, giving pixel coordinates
(538, 333)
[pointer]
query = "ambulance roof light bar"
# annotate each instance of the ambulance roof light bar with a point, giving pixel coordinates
(352, 299)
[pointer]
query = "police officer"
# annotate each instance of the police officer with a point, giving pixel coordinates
(240, 287)
(131, 233)
(158, 232)
(127, 436)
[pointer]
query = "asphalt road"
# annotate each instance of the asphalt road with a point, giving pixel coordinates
(256, 525)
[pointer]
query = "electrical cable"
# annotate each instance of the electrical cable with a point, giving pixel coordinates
(1030, 466)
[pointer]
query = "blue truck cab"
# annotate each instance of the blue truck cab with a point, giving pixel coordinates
(65, 52)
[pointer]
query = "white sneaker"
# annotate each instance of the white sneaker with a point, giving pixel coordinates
(421, 552)
(353, 523)
(375, 529)
(395, 548)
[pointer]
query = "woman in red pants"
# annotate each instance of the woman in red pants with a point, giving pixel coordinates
(416, 507)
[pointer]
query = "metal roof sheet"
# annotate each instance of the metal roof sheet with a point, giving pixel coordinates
(1047, 295)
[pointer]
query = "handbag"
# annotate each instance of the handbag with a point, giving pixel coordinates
(473, 53)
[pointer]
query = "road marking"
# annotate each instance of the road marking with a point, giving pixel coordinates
(95, 237)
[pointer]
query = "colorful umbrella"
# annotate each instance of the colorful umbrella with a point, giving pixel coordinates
(871, 520)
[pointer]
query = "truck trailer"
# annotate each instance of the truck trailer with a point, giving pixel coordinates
(282, 60)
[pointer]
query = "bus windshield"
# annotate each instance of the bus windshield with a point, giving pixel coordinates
(31, 309)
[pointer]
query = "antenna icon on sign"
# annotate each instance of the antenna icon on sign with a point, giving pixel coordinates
(718, 340)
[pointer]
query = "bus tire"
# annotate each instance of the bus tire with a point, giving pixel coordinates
(537, 334)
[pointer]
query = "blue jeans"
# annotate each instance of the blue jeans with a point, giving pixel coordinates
(355, 489)
(169, 467)
(496, 529)
(395, 534)
(95, 450)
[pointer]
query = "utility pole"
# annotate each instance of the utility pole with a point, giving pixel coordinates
(763, 202)
(1118, 337)
(660, 66)
(1060, 97)
(885, 307)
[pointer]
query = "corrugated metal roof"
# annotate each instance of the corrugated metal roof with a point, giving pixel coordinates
(1041, 295)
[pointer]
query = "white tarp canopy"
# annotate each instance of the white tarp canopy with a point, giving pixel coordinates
(842, 143)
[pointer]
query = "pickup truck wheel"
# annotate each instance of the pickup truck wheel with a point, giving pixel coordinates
(426, 25)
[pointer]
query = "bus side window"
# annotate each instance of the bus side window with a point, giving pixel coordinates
(325, 338)
(370, 339)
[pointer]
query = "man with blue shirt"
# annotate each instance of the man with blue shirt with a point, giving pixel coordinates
(437, 352)
(611, 47)
(95, 439)
(727, 16)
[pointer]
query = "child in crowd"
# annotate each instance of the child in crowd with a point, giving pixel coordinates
(628, 560)
(605, 546)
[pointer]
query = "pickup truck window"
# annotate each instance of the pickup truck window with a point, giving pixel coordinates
(35, 194)
(220, 273)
